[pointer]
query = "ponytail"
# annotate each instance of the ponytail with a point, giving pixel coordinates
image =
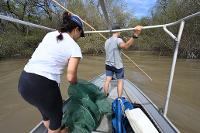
(65, 25)
(70, 22)
(60, 37)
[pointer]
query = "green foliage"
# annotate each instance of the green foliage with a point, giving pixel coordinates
(20, 40)
(92, 44)
(167, 11)
(15, 45)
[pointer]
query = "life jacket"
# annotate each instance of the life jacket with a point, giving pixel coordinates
(119, 120)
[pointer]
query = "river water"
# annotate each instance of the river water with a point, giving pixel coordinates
(17, 116)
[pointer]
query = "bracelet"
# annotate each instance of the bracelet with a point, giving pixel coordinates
(134, 36)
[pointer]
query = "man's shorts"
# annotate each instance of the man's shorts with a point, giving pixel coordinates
(110, 71)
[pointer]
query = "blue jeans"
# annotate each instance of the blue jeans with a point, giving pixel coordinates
(110, 71)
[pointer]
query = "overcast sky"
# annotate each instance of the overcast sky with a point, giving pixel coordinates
(141, 8)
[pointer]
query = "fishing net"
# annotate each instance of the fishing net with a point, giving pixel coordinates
(85, 107)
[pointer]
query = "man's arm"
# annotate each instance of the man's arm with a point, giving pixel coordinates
(130, 42)
(127, 44)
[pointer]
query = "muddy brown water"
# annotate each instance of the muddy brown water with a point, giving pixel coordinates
(17, 116)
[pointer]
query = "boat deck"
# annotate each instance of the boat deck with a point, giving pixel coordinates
(132, 93)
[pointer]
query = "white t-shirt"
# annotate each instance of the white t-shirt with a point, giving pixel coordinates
(51, 56)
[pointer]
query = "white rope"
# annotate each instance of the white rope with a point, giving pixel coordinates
(80, 18)
(103, 4)
(145, 27)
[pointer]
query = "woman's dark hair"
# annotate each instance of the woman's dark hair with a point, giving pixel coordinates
(67, 26)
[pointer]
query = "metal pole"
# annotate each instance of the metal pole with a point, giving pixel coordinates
(173, 67)
(168, 32)
(25, 23)
(101, 31)
(148, 27)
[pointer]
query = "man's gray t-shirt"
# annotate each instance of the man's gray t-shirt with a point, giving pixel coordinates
(113, 52)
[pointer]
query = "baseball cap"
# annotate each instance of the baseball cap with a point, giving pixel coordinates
(115, 26)
(78, 21)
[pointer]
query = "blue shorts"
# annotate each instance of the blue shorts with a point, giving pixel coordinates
(110, 71)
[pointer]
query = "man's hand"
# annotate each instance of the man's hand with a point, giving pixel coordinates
(137, 31)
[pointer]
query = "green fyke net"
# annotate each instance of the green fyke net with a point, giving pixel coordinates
(85, 107)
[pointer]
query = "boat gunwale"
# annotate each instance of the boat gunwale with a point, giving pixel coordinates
(166, 118)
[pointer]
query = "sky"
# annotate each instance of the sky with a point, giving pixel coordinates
(140, 8)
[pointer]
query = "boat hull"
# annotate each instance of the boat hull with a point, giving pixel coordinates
(133, 94)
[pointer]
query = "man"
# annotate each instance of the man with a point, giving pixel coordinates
(114, 64)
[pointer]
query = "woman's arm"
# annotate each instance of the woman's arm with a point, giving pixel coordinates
(72, 69)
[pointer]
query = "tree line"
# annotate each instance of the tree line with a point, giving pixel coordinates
(19, 40)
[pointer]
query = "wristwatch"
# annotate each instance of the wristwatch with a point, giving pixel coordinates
(134, 36)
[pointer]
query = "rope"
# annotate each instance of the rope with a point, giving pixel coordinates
(100, 31)
(137, 66)
(105, 39)
(103, 31)
(80, 18)
(149, 27)
(106, 16)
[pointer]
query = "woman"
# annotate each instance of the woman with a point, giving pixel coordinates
(39, 81)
